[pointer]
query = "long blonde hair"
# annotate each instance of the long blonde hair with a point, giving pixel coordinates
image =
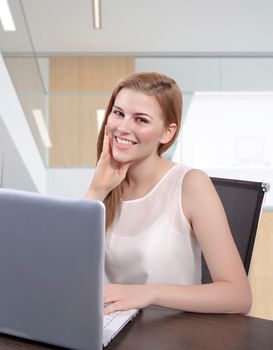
(169, 97)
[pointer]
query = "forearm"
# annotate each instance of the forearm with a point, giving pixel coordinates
(217, 297)
(95, 194)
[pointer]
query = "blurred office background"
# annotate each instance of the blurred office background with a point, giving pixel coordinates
(57, 71)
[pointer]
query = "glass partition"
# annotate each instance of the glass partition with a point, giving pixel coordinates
(25, 72)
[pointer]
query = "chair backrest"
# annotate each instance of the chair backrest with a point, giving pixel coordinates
(242, 201)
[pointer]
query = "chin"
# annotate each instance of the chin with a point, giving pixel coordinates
(121, 158)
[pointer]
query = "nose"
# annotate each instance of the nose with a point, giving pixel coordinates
(124, 126)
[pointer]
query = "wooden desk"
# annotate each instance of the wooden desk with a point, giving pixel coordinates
(158, 328)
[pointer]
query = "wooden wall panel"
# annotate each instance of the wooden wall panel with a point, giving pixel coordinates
(78, 87)
(73, 130)
(261, 269)
(87, 73)
(64, 73)
(102, 73)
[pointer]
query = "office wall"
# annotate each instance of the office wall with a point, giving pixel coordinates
(25, 76)
(78, 87)
(68, 182)
(13, 172)
(25, 166)
(213, 74)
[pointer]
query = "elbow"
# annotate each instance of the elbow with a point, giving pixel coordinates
(243, 301)
(246, 304)
(244, 307)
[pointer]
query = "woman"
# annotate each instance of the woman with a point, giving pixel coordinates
(159, 215)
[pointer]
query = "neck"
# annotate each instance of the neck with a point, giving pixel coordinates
(142, 176)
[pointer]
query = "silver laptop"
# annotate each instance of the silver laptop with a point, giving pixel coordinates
(51, 271)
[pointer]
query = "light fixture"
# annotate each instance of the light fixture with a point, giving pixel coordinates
(96, 14)
(38, 116)
(6, 17)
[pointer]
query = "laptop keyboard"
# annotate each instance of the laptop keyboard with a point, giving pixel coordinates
(109, 318)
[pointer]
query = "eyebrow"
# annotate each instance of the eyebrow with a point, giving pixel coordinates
(138, 113)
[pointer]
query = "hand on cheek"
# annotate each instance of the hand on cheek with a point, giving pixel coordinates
(109, 173)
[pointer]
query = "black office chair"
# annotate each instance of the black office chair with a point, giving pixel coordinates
(242, 201)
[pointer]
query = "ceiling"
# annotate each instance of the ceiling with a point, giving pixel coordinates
(142, 27)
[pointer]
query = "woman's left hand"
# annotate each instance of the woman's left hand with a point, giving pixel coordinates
(125, 297)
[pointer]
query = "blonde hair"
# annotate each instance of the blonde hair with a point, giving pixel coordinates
(169, 97)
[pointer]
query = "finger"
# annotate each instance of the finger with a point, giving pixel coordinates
(109, 295)
(106, 129)
(109, 300)
(112, 308)
(106, 141)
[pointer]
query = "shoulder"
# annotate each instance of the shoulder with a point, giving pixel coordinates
(196, 180)
(198, 193)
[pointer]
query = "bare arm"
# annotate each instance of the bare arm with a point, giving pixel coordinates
(108, 174)
(229, 292)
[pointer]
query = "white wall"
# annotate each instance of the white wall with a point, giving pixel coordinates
(213, 74)
(2, 143)
(13, 172)
(19, 136)
(191, 74)
(68, 182)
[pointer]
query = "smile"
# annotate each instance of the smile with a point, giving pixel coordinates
(124, 141)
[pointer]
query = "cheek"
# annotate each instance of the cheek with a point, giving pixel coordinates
(111, 125)
(151, 135)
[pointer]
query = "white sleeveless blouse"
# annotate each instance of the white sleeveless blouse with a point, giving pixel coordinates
(151, 241)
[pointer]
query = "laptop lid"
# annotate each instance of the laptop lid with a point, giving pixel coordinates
(51, 269)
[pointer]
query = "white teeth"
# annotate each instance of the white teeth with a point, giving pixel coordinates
(124, 142)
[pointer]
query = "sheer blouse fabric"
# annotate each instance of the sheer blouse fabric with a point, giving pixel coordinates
(151, 241)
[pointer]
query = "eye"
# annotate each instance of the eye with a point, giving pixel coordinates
(118, 113)
(142, 120)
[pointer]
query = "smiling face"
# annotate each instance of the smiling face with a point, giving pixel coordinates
(136, 126)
